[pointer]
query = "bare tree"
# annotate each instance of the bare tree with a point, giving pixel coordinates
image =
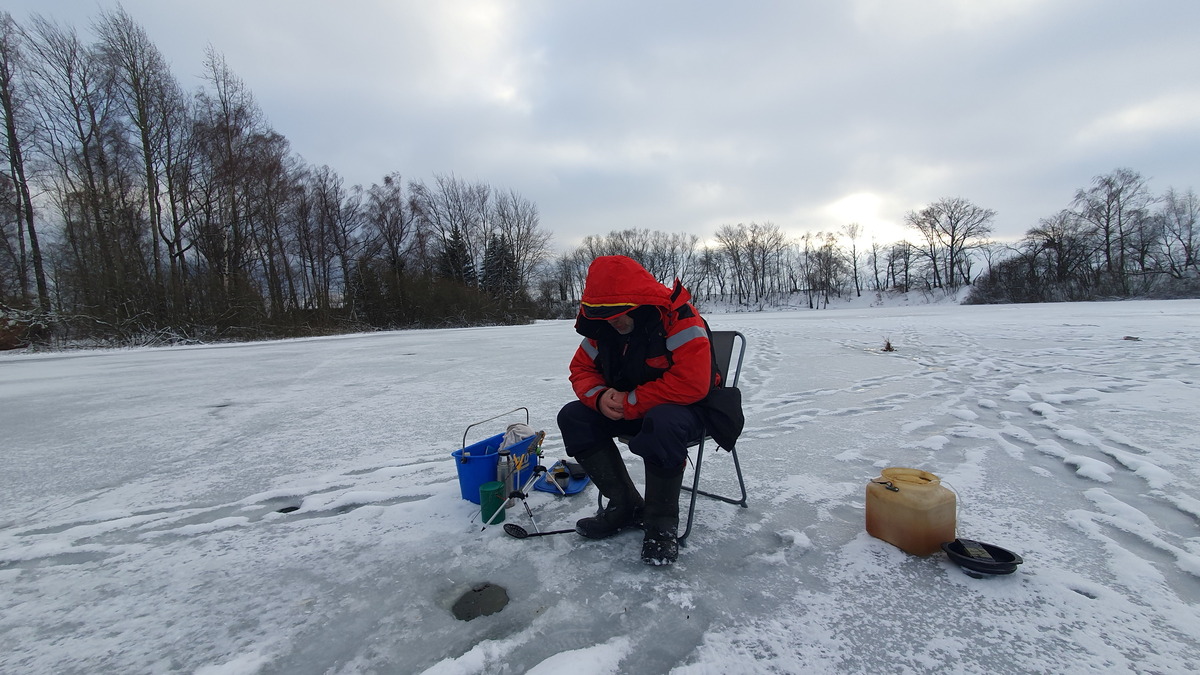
(827, 267)
(1115, 206)
(874, 257)
(635, 243)
(680, 249)
(852, 232)
(924, 221)
(1068, 249)
(16, 130)
(756, 258)
(951, 227)
(228, 119)
(900, 262)
(993, 252)
(271, 193)
(515, 218)
(455, 213)
(1180, 218)
(152, 101)
(92, 185)
(712, 272)
(766, 244)
(734, 246)
(327, 238)
(389, 219)
(341, 208)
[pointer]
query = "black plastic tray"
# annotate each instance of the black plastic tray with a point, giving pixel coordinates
(997, 561)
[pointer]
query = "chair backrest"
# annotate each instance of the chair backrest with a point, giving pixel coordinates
(723, 342)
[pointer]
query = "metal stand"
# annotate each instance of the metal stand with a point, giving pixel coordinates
(523, 493)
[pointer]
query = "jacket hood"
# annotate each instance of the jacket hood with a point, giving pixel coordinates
(615, 281)
(616, 285)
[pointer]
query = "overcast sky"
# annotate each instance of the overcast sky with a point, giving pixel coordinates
(684, 116)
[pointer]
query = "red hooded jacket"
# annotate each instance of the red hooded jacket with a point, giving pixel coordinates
(667, 357)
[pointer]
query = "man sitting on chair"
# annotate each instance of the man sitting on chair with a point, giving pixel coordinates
(641, 372)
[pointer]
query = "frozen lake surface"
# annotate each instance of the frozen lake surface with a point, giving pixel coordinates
(141, 530)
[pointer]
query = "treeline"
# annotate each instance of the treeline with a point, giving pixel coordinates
(756, 265)
(132, 210)
(1116, 240)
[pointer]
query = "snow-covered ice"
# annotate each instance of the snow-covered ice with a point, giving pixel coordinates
(140, 528)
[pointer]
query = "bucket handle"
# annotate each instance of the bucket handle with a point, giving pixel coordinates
(492, 418)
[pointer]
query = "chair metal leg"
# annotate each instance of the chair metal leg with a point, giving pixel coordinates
(695, 491)
(741, 484)
(728, 500)
(737, 466)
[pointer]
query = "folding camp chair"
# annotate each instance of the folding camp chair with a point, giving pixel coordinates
(723, 343)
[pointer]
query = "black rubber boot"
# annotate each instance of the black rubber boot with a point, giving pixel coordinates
(660, 546)
(624, 508)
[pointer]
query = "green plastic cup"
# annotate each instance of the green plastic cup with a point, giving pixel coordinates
(491, 499)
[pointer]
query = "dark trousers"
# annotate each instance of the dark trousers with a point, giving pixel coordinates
(660, 438)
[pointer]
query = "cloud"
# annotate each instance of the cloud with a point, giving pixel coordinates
(1171, 114)
(915, 21)
(868, 209)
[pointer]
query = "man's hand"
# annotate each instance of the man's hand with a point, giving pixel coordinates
(612, 404)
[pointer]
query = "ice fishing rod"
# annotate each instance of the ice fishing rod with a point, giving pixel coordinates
(519, 532)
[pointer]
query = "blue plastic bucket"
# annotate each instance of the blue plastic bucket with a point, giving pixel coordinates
(473, 471)
(476, 464)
